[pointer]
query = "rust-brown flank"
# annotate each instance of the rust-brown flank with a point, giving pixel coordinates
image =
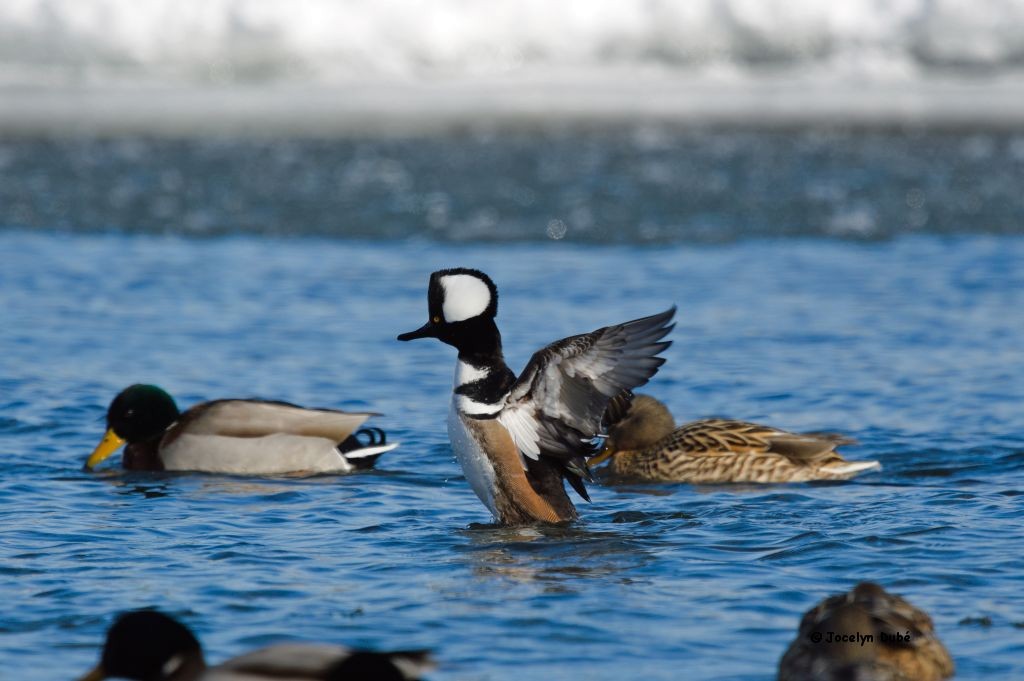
(520, 496)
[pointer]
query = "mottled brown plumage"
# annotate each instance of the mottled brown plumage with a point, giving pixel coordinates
(643, 442)
(866, 634)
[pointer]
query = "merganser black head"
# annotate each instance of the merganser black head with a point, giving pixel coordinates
(462, 304)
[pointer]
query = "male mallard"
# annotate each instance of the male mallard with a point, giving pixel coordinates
(147, 645)
(643, 442)
(866, 633)
(245, 437)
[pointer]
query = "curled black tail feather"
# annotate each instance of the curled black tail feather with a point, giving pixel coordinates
(351, 446)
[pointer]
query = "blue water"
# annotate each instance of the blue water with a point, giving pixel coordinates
(911, 345)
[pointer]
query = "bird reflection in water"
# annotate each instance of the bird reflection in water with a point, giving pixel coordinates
(556, 555)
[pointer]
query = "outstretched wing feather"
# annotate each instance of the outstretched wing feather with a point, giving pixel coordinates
(558, 401)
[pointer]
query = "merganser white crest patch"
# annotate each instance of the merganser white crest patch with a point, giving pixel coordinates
(465, 297)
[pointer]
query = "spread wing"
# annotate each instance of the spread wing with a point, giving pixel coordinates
(556, 405)
(258, 418)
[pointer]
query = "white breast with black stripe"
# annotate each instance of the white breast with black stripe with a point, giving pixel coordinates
(475, 463)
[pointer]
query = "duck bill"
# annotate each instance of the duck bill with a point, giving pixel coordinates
(428, 330)
(110, 443)
(605, 454)
(96, 674)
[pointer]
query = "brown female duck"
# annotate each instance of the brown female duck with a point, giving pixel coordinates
(644, 442)
(867, 634)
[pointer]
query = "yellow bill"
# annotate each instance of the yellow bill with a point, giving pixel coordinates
(96, 674)
(605, 454)
(110, 443)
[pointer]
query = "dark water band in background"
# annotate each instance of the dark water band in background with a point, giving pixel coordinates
(625, 184)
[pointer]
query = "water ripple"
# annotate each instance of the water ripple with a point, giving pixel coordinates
(866, 339)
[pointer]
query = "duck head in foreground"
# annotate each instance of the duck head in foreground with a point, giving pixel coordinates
(146, 645)
(644, 443)
(519, 438)
(866, 634)
(242, 437)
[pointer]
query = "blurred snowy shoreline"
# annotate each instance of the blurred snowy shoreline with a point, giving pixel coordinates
(445, 106)
(328, 68)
